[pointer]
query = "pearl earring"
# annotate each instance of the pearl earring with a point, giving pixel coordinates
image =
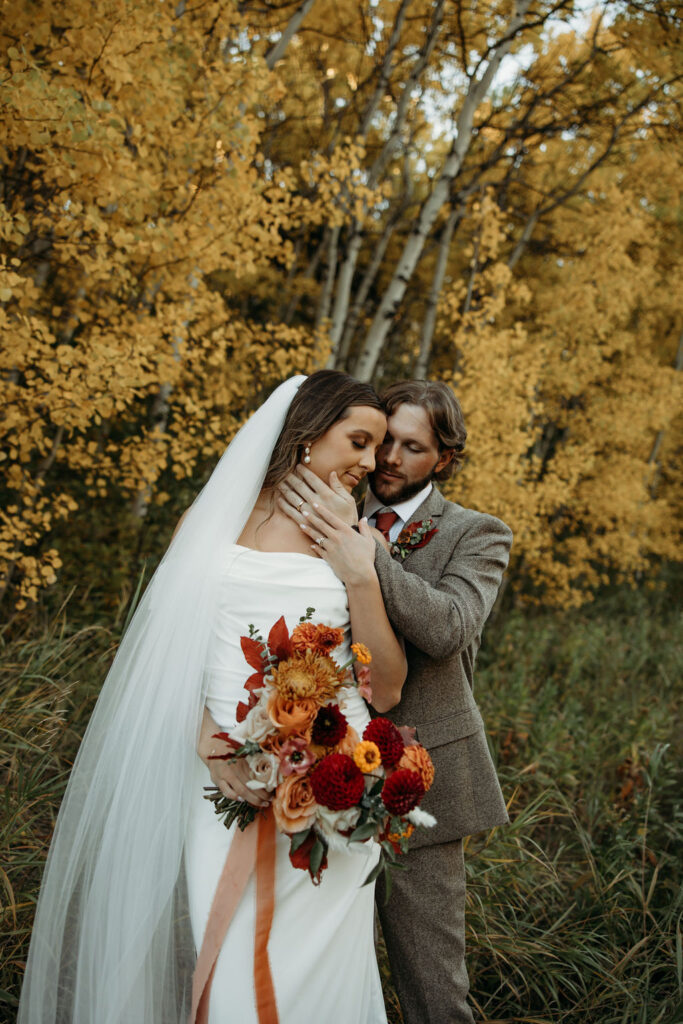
(307, 453)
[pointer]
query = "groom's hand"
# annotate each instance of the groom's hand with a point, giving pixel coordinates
(302, 491)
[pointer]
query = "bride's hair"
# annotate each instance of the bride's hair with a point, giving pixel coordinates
(323, 399)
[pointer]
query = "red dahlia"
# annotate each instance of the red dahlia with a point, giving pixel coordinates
(387, 737)
(402, 791)
(337, 782)
(329, 727)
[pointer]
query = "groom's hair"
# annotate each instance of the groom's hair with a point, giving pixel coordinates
(323, 399)
(443, 411)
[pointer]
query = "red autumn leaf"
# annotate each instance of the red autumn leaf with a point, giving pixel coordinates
(254, 682)
(244, 709)
(408, 735)
(278, 640)
(406, 539)
(253, 652)
(227, 739)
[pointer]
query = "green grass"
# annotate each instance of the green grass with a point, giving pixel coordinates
(574, 910)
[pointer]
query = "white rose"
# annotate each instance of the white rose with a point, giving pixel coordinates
(264, 768)
(331, 822)
(256, 726)
(423, 818)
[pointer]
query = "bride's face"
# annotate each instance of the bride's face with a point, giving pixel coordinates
(348, 448)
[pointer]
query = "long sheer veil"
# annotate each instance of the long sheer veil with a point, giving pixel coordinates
(111, 942)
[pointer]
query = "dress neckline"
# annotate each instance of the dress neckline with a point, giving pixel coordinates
(296, 554)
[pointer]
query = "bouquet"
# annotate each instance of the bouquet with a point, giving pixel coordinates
(329, 787)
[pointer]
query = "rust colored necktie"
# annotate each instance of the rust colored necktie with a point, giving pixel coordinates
(384, 520)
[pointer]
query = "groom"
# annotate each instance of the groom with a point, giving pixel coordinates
(439, 587)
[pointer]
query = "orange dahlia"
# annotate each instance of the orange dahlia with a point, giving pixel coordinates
(417, 759)
(367, 756)
(320, 639)
(307, 676)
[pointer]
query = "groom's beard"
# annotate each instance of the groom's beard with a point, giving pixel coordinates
(398, 490)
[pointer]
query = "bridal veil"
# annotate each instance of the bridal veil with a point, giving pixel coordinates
(112, 942)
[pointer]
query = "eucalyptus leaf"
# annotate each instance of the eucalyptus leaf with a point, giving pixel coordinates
(364, 831)
(298, 839)
(317, 854)
(376, 871)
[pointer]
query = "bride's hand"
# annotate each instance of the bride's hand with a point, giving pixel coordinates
(302, 490)
(350, 554)
(231, 778)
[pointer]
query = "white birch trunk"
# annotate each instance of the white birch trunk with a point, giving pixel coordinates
(422, 364)
(323, 310)
(367, 361)
(369, 276)
(342, 296)
(292, 26)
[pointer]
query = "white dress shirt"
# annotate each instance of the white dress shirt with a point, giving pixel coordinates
(403, 509)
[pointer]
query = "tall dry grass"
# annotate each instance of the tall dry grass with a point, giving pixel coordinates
(574, 910)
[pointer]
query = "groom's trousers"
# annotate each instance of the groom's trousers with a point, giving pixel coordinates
(424, 931)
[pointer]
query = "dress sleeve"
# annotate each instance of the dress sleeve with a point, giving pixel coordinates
(443, 618)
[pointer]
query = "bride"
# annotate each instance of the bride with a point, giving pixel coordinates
(137, 851)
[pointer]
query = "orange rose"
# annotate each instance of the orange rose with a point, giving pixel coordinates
(416, 759)
(292, 715)
(294, 804)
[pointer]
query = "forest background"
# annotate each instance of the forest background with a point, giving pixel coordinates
(200, 199)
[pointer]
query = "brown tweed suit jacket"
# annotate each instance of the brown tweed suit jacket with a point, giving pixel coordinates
(438, 600)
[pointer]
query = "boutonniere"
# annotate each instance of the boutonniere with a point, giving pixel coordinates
(414, 535)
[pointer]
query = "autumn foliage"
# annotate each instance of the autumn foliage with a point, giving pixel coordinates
(198, 200)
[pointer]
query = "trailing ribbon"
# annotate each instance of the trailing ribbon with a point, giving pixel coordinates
(265, 906)
(254, 847)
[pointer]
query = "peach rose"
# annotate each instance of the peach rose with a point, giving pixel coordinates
(349, 743)
(292, 715)
(294, 805)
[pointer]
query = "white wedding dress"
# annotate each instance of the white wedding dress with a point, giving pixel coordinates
(321, 945)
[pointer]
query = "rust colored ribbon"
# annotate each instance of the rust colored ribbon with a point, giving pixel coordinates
(265, 906)
(255, 847)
